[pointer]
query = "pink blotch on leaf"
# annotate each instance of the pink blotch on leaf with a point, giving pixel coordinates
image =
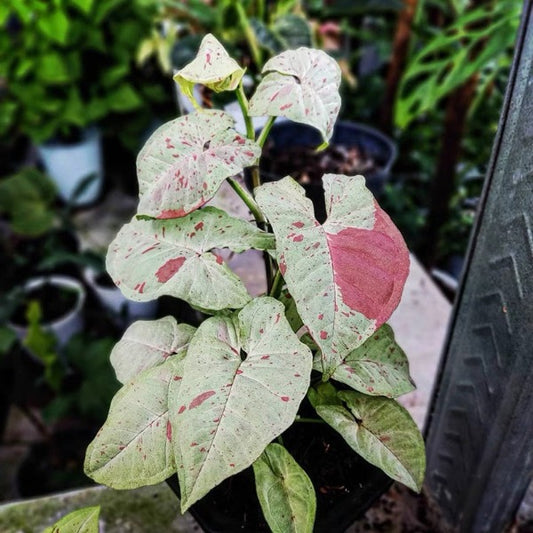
(181, 409)
(298, 238)
(285, 398)
(201, 398)
(169, 431)
(220, 261)
(169, 269)
(199, 226)
(323, 335)
(172, 213)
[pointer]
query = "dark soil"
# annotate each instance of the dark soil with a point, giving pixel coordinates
(55, 302)
(343, 481)
(307, 166)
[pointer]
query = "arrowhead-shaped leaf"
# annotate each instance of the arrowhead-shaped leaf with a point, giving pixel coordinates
(347, 275)
(231, 408)
(150, 258)
(379, 367)
(302, 85)
(79, 521)
(148, 343)
(382, 432)
(134, 446)
(285, 492)
(184, 162)
(212, 67)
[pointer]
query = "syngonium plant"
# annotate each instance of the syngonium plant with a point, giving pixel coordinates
(206, 403)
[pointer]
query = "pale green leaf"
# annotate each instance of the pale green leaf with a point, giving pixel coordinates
(148, 343)
(183, 164)
(379, 367)
(382, 432)
(134, 446)
(245, 377)
(302, 85)
(285, 492)
(323, 394)
(151, 258)
(80, 521)
(212, 67)
(347, 275)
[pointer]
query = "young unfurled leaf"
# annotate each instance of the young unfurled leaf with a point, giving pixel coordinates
(150, 258)
(212, 67)
(347, 275)
(379, 367)
(244, 379)
(285, 492)
(79, 521)
(148, 343)
(302, 85)
(134, 446)
(184, 162)
(382, 432)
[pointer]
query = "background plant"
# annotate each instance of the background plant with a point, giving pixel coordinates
(207, 402)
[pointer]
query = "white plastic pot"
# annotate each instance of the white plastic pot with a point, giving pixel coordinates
(70, 323)
(127, 311)
(69, 164)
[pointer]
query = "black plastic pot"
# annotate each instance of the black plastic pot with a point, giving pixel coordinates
(369, 141)
(345, 485)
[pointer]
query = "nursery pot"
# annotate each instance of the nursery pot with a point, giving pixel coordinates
(70, 164)
(354, 149)
(345, 486)
(61, 300)
(112, 298)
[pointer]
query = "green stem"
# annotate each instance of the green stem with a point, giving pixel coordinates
(309, 420)
(246, 197)
(265, 131)
(243, 103)
(249, 33)
(277, 284)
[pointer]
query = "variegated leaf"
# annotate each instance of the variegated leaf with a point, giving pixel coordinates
(212, 67)
(302, 85)
(151, 258)
(184, 162)
(382, 432)
(244, 379)
(285, 492)
(80, 521)
(347, 275)
(379, 367)
(148, 343)
(134, 446)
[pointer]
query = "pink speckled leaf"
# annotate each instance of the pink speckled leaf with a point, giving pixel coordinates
(302, 85)
(212, 67)
(148, 343)
(151, 258)
(347, 275)
(134, 446)
(245, 377)
(184, 162)
(381, 431)
(379, 367)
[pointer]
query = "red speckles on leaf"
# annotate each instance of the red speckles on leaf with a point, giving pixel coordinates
(265, 357)
(193, 444)
(169, 269)
(371, 267)
(261, 331)
(323, 335)
(172, 213)
(298, 238)
(208, 58)
(169, 431)
(277, 318)
(220, 261)
(169, 143)
(321, 316)
(232, 464)
(285, 106)
(181, 409)
(282, 265)
(239, 371)
(298, 224)
(176, 378)
(285, 398)
(201, 398)
(120, 448)
(199, 226)
(139, 287)
(238, 139)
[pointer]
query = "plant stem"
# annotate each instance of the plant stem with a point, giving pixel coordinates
(265, 131)
(246, 197)
(277, 284)
(309, 420)
(243, 103)
(249, 33)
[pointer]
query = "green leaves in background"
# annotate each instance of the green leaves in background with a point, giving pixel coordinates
(79, 521)
(54, 25)
(285, 492)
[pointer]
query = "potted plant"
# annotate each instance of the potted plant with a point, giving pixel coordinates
(304, 375)
(67, 67)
